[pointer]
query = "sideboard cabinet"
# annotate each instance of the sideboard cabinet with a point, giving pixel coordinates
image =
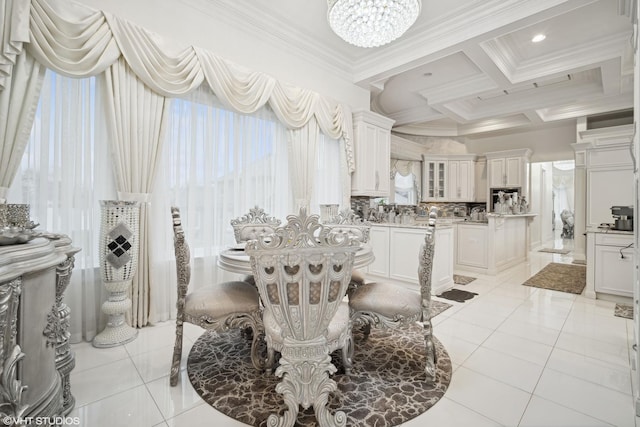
(34, 351)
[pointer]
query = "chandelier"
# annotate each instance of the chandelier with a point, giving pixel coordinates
(372, 23)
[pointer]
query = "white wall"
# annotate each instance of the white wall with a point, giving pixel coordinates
(549, 144)
(186, 23)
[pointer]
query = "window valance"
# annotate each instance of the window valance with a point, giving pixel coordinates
(78, 41)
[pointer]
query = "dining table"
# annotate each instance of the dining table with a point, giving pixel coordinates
(235, 260)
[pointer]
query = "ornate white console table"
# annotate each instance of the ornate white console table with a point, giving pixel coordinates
(35, 353)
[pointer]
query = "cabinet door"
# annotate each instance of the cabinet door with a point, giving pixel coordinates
(435, 180)
(453, 184)
(466, 178)
(382, 154)
(496, 174)
(405, 253)
(471, 245)
(513, 172)
(613, 273)
(379, 241)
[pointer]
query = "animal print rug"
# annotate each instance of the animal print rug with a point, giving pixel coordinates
(386, 386)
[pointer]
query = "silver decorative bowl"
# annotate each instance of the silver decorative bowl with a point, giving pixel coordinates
(17, 235)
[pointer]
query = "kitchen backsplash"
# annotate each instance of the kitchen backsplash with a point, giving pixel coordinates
(363, 205)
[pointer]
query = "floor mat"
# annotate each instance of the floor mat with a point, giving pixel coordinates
(457, 295)
(555, 250)
(462, 280)
(623, 310)
(556, 276)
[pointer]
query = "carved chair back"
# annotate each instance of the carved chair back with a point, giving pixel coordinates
(183, 259)
(425, 267)
(253, 224)
(348, 222)
(302, 271)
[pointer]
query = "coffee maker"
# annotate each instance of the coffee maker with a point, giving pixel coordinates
(623, 216)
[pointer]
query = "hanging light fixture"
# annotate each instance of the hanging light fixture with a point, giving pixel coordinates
(372, 23)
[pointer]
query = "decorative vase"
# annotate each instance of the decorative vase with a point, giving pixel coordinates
(119, 248)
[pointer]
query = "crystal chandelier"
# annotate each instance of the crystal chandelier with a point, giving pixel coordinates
(372, 23)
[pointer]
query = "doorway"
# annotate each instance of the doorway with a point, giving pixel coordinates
(563, 202)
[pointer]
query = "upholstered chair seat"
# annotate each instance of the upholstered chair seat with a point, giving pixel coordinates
(224, 299)
(218, 307)
(338, 336)
(387, 300)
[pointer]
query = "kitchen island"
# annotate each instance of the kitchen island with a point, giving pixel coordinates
(496, 244)
(397, 248)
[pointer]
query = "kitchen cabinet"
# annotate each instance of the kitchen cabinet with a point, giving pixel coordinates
(461, 180)
(448, 178)
(612, 263)
(399, 259)
(508, 168)
(494, 246)
(435, 179)
(372, 151)
(379, 241)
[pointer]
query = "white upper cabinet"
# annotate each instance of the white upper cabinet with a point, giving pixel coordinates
(372, 136)
(508, 169)
(434, 179)
(449, 178)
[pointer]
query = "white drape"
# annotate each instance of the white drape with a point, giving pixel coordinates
(303, 152)
(18, 101)
(78, 41)
(62, 175)
(136, 118)
(216, 166)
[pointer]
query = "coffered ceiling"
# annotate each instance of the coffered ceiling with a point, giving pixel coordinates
(468, 67)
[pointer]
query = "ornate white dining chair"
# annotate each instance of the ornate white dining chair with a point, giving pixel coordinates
(347, 221)
(302, 272)
(392, 305)
(251, 225)
(219, 306)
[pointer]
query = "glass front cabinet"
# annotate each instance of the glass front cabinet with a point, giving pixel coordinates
(435, 179)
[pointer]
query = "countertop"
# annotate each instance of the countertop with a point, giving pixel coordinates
(608, 231)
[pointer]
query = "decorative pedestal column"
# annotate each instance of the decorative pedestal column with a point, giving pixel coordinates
(119, 247)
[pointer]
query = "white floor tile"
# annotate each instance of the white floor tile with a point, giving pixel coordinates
(531, 330)
(173, 401)
(586, 397)
(447, 413)
(87, 356)
(595, 349)
(596, 371)
(480, 316)
(520, 347)
(507, 369)
(491, 398)
(543, 413)
(459, 350)
(97, 383)
(155, 337)
(157, 363)
(203, 416)
(133, 407)
(459, 329)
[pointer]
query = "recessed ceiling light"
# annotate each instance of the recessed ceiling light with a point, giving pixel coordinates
(428, 74)
(538, 38)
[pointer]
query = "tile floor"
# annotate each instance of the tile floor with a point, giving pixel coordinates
(521, 356)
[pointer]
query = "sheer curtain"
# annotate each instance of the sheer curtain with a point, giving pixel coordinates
(330, 173)
(63, 174)
(215, 165)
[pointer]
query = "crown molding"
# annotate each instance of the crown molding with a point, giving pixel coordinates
(275, 32)
(585, 108)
